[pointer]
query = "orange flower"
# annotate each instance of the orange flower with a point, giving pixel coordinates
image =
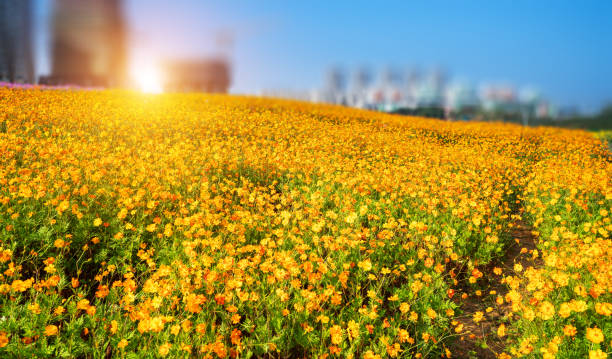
(59, 310)
(102, 291)
(235, 337)
(83, 304)
(569, 330)
(51, 330)
(3, 339)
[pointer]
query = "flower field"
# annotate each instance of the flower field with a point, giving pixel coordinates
(223, 226)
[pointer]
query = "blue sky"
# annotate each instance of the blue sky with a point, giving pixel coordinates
(562, 48)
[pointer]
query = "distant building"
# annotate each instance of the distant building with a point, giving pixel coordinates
(204, 75)
(16, 63)
(544, 109)
(462, 102)
(430, 93)
(500, 99)
(568, 112)
(88, 46)
(357, 94)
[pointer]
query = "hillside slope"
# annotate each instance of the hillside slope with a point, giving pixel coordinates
(222, 226)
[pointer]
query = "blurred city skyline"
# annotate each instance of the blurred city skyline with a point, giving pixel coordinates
(560, 48)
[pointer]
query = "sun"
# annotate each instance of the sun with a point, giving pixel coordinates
(147, 79)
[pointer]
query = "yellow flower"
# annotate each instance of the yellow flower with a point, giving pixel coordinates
(353, 330)
(122, 344)
(565, 310)
(603, 309)
(112, 328)
(414, 316)
(501, 330)
(5, 255)
(518, 267)
(393, 350)
(34, 308)
(595, 335)
(579, 305)
(168, 230)
(403, 335)
(350, 219)
(164, 349)
(21, 285)
(365, 265)
(597, 354)
(547, 310)
(122, 213)
(363, 210)
(336, 334)
(97, 222)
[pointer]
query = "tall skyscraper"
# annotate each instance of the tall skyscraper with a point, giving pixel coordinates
(88, 46)
(16, 63)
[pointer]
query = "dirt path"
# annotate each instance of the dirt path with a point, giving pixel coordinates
(480, 340)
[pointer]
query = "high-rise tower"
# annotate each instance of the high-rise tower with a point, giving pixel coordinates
(16, 63)
(88, 46)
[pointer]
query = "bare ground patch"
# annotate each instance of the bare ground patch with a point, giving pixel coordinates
(480, 339)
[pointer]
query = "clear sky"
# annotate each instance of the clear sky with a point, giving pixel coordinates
(562, 48)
